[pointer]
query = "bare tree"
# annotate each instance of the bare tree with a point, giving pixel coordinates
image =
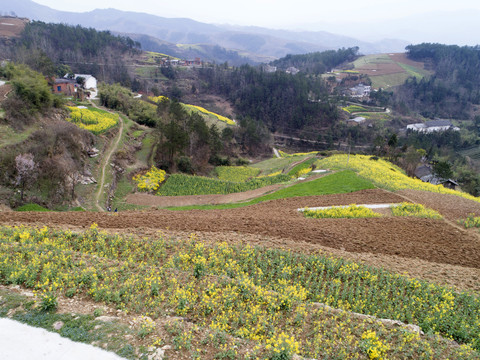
(26, 171)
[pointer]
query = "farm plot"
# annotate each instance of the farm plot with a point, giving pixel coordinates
(269, 298)
(414, 238)
(388, 70)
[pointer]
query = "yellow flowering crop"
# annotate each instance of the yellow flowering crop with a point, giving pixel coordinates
(236, 173)
(284, 154)
(219, 117)
(151, 180)
(417, 210)
(384, 174)
(351, 211)
(267, 297)
(158, 99)
(96, 121)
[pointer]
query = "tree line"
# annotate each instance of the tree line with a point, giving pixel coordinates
(452, 89)
(49, 48)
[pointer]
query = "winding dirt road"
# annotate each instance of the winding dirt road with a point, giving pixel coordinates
(106, 162)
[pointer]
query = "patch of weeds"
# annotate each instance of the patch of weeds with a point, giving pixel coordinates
(79, 328)
(127, 351)
(229, 354)
(147, 325)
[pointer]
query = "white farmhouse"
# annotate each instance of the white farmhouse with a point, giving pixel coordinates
(90, 81)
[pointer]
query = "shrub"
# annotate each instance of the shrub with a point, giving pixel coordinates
(31, 207)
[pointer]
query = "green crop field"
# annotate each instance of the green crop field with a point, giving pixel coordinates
(387, 71)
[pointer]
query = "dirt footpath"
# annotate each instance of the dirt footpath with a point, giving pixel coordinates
(412, 238)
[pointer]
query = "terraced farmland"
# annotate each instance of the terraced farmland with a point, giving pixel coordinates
(262, 281)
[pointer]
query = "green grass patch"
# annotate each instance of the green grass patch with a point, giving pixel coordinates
(10, 136)
(337, 183)
(236, 173)
(302, 166)
(31, 207)
(274, 164)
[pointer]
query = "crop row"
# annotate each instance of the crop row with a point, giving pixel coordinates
(236, 173)
(92, 120)
(180, 184)
(219, 117)
(263, 295)
(359, 211)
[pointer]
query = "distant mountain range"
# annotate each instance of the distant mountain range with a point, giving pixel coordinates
(156, 33)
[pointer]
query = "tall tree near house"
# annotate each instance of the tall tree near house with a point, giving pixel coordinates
(26, 171)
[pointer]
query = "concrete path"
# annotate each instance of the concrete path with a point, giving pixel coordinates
(19, 342)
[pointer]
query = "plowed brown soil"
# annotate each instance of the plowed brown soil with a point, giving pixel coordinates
(451, 206)
(431, 240)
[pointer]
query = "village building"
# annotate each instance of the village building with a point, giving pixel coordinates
(360, 91)
(292, 70)
(90, 81)
(433, 126)
(269, 68)
(425, 173)
(357, 120)
(64, 86)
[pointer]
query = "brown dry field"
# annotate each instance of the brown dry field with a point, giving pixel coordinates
(402, 58)
(374, 69)
(435, 250)
(378, 69)
(11, 27)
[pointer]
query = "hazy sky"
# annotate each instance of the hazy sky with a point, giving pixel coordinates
(300, 14)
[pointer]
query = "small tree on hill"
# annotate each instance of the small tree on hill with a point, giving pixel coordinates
(26, 172)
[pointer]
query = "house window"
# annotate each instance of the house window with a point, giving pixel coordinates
(59, 88)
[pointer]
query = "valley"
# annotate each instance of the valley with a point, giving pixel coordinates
(168, 211)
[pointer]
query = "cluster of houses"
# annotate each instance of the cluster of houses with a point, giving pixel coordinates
(166, 61)
(70, 85)
(360, 91)
(426, 174)
(271, 69)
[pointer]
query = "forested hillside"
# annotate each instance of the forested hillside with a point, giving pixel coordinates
(454, 87)
(51, 48)
(318, 62)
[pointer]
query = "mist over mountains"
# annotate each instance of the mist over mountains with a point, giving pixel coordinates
(154, 32)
